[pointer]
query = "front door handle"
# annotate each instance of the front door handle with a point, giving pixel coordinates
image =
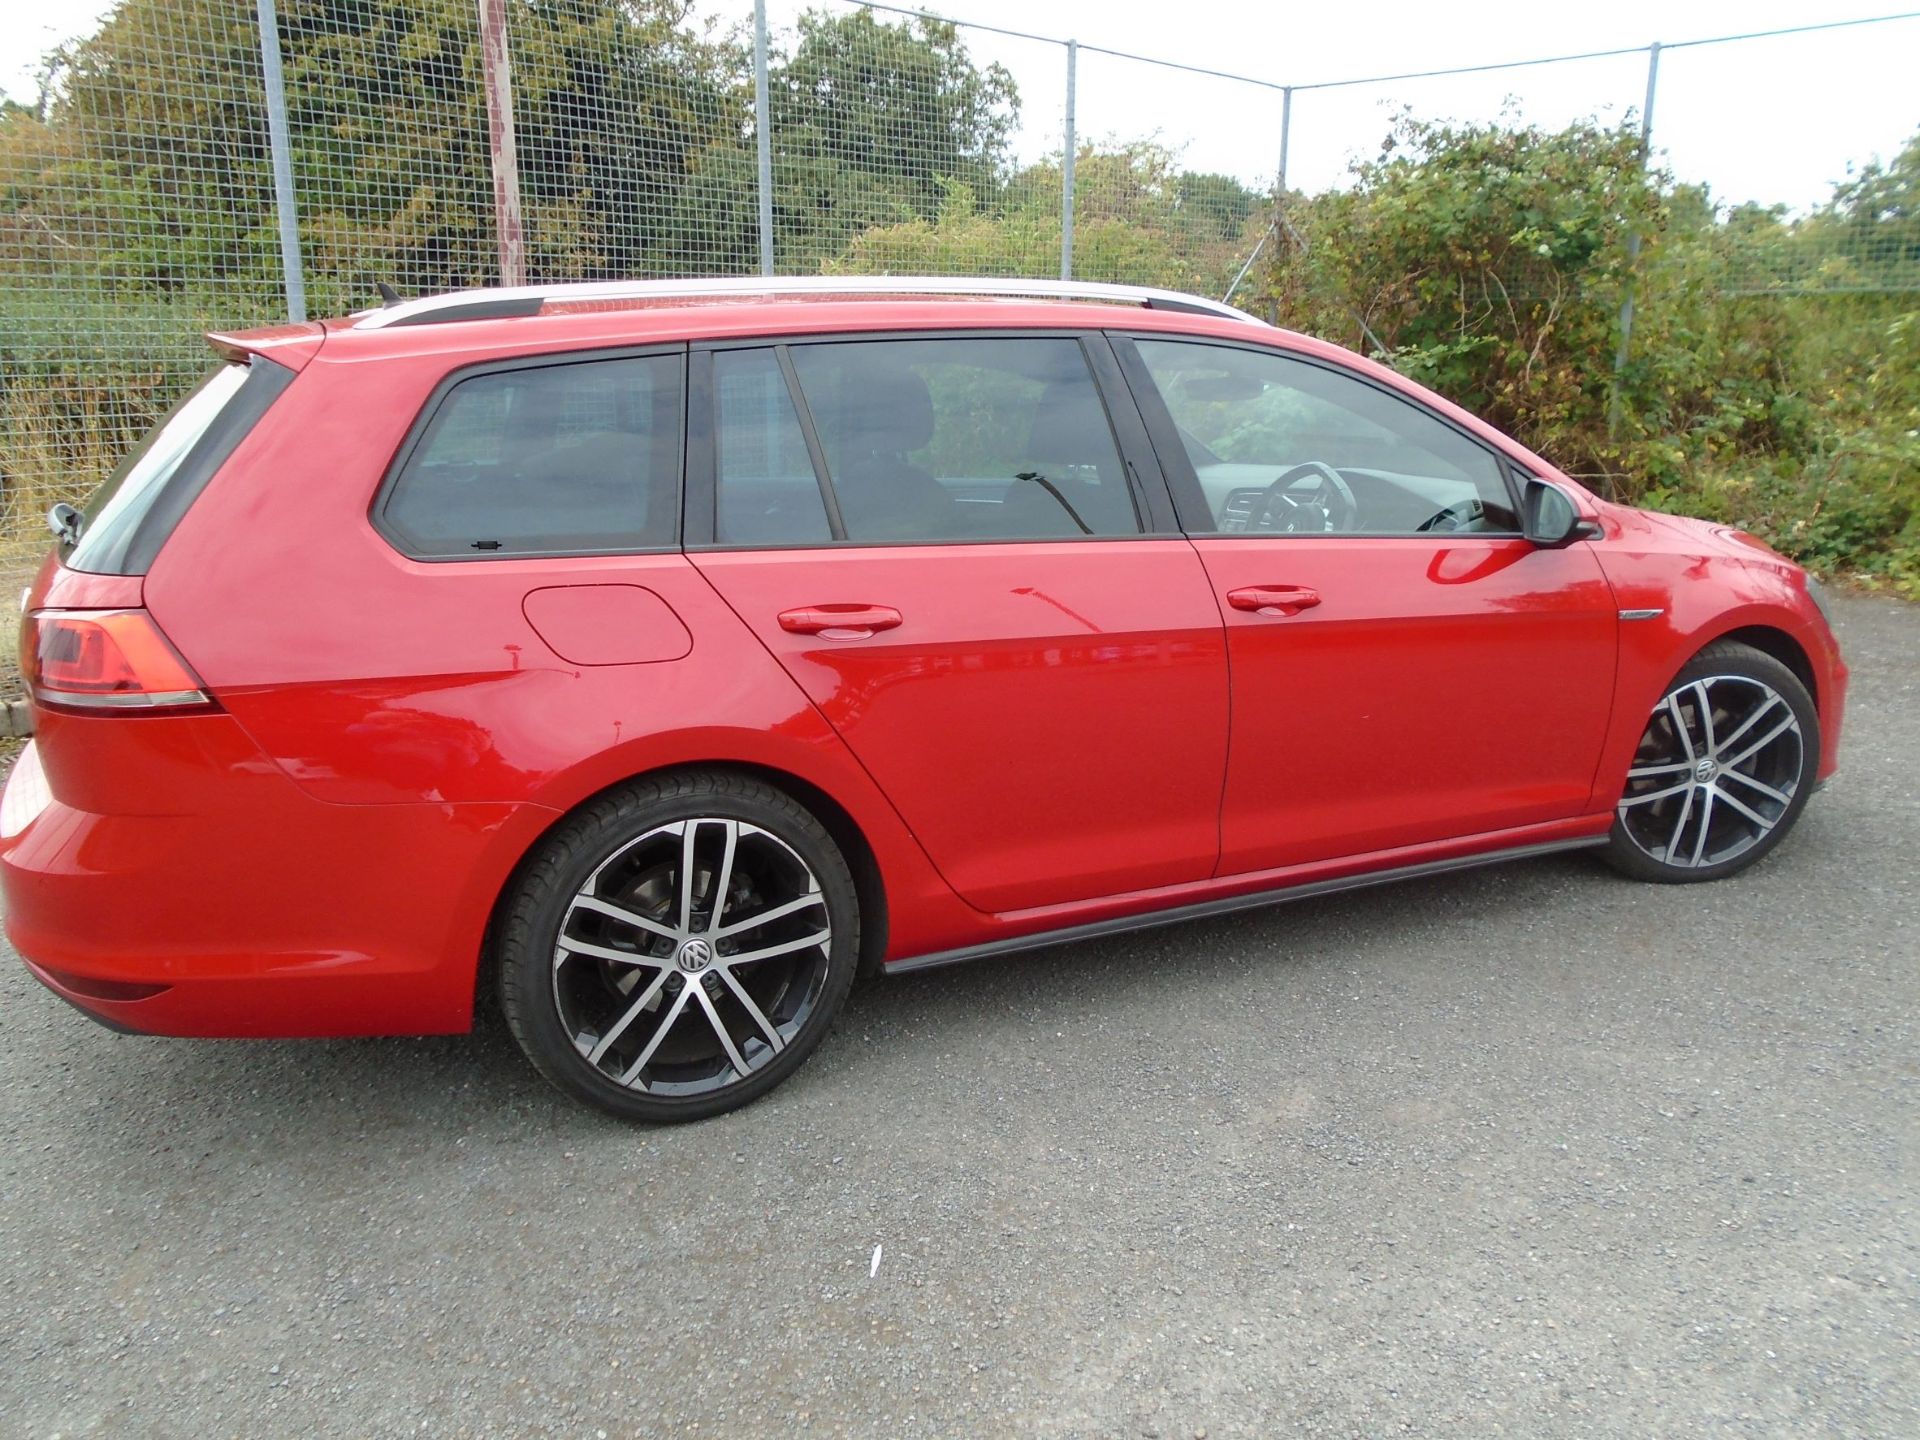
(1273, 599)
(839, 622)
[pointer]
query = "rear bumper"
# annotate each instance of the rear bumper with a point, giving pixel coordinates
(258, 912)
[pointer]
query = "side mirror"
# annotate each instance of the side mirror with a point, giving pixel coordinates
(1551, 520)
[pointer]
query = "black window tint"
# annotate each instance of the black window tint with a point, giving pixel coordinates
(578, 457)
(965, 440)
(1246, 418)
(766, 489)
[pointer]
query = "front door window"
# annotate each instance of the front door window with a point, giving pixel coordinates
(1281, 445)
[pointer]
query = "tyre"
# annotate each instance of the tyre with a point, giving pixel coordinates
(1722, 771)
(678, 947)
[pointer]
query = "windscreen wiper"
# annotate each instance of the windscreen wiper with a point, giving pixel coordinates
(64, 520)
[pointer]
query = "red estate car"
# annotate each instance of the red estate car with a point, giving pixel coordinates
(667, 653)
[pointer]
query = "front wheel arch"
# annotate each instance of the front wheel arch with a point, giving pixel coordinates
(1672, 741)
(1770, 640)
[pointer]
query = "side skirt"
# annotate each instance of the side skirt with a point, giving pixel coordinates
(1120, 925)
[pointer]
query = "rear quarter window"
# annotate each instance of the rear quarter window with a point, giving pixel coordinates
(580, 457)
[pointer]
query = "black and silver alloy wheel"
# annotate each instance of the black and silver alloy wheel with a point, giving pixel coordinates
(691, 956)
(1722, 769)
(695, 934)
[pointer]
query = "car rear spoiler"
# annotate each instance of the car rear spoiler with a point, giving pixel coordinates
(289, 345)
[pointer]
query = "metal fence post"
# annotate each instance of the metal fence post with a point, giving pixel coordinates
(763, 135)
(1070, 148)
(1633, 249)
(1280, 224)
(1286, 133)
(293, 280)
(497, 72)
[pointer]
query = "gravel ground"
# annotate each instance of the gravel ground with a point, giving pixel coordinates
(1526, 1151)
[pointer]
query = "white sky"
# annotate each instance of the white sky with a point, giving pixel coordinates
(1771, 120)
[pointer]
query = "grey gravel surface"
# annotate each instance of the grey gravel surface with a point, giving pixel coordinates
(1531, 1151)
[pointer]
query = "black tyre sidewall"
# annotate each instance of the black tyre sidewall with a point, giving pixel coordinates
(553, 875)
(1729, 658)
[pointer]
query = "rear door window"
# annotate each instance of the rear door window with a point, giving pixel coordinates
(574, 458)
(768, 491)
(965, 439)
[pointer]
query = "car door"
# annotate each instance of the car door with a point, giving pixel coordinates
(939, 539)
(1405, 667)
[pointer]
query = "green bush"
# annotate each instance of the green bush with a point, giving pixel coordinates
(1773, 381)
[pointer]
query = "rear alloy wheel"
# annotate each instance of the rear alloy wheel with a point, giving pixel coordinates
(679, 947)
(1722, 770)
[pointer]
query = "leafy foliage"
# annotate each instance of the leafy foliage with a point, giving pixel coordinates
(1491, 263)
(1138, 218)
(874, 123)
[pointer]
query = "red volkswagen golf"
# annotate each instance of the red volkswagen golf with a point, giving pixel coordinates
(656, 657)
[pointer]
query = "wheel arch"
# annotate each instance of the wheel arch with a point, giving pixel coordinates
(1771, 640)
(1652, 654)
(861, 857)
(1634, 851)
(868, 882)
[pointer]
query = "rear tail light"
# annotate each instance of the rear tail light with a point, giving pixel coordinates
(105, 660)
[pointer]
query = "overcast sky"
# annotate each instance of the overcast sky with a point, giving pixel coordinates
(1776, 120)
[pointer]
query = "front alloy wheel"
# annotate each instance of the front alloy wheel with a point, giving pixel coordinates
(1722, 770)
(679, 947)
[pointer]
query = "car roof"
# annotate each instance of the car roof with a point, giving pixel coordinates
(565, 325)
(534, 319)
(523, 300)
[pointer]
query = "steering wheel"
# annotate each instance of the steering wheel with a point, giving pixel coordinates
(1457, 516)
(1328, 506)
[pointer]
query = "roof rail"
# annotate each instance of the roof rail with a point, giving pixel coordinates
(501, 301)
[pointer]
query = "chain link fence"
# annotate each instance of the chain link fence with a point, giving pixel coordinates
(202, 163)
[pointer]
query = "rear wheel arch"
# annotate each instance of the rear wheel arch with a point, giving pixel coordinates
(837, 820)
(847, 834)
(760, 916)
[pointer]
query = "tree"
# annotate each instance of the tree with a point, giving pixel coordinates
(1137, 219)
(1880, 218)
(614, 105)
(1488, 261)
(146, 180)
(873, 122)
(152, 162)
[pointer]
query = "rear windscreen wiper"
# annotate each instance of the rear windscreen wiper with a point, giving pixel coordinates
(64, 520)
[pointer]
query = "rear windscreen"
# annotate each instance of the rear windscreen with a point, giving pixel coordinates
(129, 517)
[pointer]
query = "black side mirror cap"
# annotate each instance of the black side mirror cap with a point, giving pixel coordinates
(1552, 522)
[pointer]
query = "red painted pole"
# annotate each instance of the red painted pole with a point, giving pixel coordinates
(498, 71)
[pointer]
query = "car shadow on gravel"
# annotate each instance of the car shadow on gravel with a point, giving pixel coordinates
(318, 1091)
(311, 1091)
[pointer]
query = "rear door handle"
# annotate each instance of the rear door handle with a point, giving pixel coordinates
(1273, 599)
(839, 622)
